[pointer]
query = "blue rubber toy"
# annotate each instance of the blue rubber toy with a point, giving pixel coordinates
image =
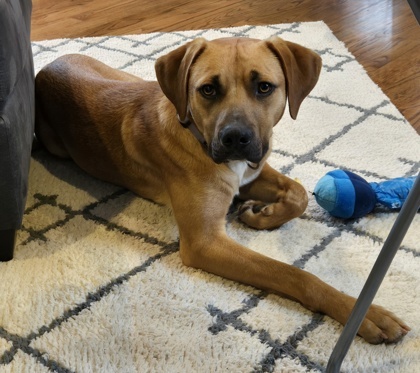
(348, 196)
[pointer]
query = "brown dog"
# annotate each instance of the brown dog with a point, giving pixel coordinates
(230, 93)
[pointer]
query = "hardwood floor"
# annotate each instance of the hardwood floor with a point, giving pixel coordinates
(383, 35)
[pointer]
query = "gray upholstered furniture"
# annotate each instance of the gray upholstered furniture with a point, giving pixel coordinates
(17, 111)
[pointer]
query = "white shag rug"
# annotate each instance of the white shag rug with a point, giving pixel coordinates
(97, 284)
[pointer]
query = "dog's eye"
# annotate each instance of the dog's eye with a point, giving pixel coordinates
(208, 90)
(264, 88)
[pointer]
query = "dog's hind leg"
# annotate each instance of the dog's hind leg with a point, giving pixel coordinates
(49, 138)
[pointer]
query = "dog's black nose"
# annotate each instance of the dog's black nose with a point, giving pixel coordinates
(235, 137)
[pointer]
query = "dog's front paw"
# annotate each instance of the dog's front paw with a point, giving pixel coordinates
(382, 326)
(258, 215)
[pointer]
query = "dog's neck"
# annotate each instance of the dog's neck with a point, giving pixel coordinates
(188, 123)
(244, 171)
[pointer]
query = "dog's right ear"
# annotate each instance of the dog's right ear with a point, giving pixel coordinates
(301, 66)
(172, 72)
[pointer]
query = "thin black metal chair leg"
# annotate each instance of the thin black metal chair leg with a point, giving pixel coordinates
(377, 274)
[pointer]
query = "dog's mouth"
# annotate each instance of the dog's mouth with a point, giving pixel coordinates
(252, 160)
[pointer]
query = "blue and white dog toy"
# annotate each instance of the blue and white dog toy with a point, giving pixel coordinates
(348, 196)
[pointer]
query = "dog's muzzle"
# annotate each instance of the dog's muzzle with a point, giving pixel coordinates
(236, 142)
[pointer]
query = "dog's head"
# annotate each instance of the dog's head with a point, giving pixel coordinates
(235, 90)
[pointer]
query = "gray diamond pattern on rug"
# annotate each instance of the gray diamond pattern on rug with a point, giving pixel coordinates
(97, 284)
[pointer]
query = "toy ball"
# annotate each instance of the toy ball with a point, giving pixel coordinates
(348, 196)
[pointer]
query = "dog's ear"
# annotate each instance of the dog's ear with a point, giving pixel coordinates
(301, 67)
(172, 72)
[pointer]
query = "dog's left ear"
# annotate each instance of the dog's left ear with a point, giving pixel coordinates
(301, 67)
(172, 72)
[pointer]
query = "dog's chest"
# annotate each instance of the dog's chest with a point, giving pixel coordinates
(245, 173)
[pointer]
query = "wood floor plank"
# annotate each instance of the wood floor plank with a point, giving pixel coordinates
(383, 35)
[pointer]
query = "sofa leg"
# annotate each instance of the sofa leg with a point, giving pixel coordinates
(7, 244)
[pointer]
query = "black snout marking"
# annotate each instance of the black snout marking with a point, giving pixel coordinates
(235, 137)
(236, 141)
